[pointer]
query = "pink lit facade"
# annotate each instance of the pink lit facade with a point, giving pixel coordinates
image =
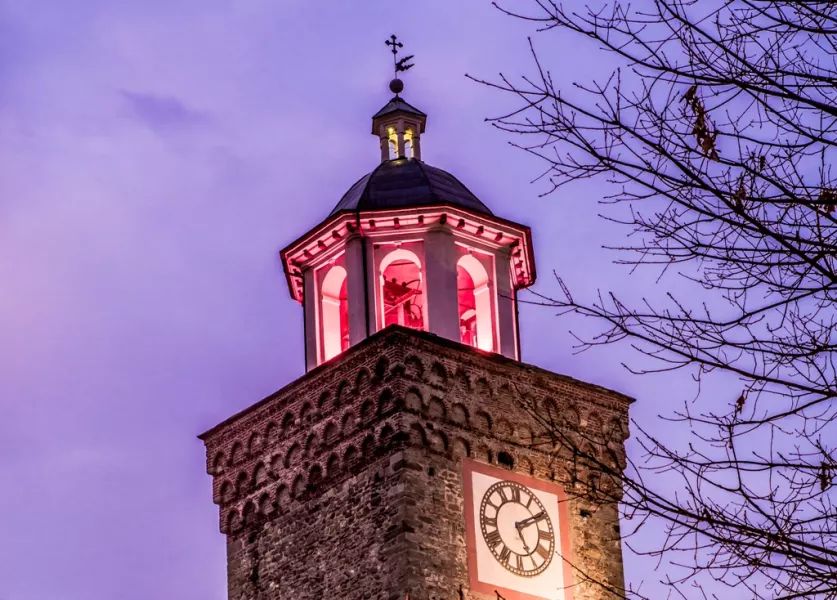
(437, 268)
(447, 267)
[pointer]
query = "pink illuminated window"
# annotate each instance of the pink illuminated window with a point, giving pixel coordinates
(476, 325)
(467, 307)
(402, 299)
(335, 313)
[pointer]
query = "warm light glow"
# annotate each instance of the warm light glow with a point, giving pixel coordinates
(393, 143)
(408, 143)
(475, 312)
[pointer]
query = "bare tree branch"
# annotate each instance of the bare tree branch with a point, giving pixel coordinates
(716, 135)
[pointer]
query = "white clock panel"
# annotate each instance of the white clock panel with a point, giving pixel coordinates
(516, 529)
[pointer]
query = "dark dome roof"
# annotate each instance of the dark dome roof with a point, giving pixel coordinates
(408, 182)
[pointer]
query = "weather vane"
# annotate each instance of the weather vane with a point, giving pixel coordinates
(396, 85)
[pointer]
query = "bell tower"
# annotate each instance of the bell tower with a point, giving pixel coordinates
(417, 455)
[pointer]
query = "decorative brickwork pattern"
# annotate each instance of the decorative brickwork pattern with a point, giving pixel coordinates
(347, 483)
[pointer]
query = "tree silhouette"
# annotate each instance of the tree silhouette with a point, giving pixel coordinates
(717, 135)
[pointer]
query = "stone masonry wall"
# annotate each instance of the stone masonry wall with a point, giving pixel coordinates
(347, 483)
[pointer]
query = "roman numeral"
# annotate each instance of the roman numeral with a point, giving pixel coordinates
(545, 535)
(528, 504)
(502, 493)
(490, 521)
(515, 493)
(543, 551)
(519, 562)
(493, 539)
(505, 554)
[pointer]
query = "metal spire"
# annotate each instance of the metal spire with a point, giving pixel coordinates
(396, 85)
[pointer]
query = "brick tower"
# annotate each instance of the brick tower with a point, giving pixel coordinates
(417, 456)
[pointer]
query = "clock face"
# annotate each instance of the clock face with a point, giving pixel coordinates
(517, 534)
(517, 529)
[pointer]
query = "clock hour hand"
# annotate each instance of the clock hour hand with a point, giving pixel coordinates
(533, 519)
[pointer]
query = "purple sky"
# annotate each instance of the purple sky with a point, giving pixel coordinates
(154, 157)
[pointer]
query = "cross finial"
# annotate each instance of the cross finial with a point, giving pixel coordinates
(400, 65)
(394, 43)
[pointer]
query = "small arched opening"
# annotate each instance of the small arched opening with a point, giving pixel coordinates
(476, 327)
(392, 142)
(408, 143)
(402, 290)
(335, 313)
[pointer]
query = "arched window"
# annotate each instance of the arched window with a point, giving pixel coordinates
(392, 138)
(408, 143)
(402, 298)
(392, 143)
(476, 325)
(335, 313)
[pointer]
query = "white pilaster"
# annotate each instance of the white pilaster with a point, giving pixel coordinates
(442, 298)
(384, 148)
(402, 149)
(507, 338)
(355, 289)
(309, 290)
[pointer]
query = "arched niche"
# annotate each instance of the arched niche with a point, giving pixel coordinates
(334, 312)
(409, 151)
(474, 290)
(401, 290)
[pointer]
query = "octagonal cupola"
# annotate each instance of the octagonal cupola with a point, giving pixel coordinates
(408, 244)
(399, 127)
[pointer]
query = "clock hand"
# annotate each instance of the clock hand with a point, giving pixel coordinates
(520, 525)
(520, 536)
(533, 519)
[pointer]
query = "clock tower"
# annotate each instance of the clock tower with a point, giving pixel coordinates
(418, 456)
